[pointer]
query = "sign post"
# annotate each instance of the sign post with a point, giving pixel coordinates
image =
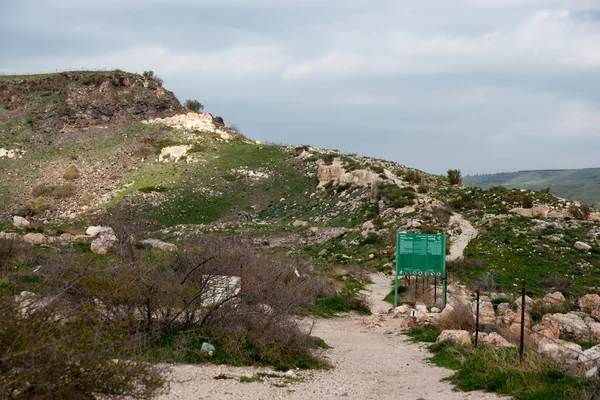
(420, 255)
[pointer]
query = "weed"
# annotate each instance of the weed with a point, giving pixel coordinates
(71, 173)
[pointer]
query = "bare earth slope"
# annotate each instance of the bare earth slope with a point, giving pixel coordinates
(370, 363)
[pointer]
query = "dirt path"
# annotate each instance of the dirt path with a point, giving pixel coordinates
(468, 233)
(370, 363)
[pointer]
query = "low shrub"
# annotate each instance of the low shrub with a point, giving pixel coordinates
(58, 191)
(581, 212)
(454, 177)
(71, 173)
(527, 201)
(86, 199)
(35, 207)
(459, 317)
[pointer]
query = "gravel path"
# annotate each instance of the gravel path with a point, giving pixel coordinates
(468, 233)
(370, 363)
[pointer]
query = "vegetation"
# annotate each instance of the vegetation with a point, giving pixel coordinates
(71, 173)
(193, 105)
(454, 177)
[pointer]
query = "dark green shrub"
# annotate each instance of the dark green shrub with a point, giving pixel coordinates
(193, 105)
(581, 212)
(527, 201)
(454, 177)
(413, 176)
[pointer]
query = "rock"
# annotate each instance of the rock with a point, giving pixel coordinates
(34, 238)
(503, 308)
(422, 308)
(596, 313)
(547, 329)
(174, 153)
(582, 246)
(590, 356)
(299, 223)
(435, 310)
(495, 340)
(403, 309)
(592, 373)
(589, 302)
(194, 121)
(159, 244)
(94, 231)
(572, 326)
(105, 239)
(559, 350)
(20, 222)
(594, 331)
(554, 298)
(487, 316)
(456, 336)
(367, 226)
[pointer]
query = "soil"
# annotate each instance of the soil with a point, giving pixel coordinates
(370, 363)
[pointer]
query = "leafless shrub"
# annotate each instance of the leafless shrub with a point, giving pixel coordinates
(459, 317)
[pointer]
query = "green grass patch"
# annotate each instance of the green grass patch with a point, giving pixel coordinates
(427, 333)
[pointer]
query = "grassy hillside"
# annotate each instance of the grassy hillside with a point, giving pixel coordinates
(575, 184)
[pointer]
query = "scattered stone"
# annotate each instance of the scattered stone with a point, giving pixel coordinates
(572, 326)
(582, 246)
(299, 223)
(559, 350)
(105, 239)
(34, 238)
(494, 339)
(457, 336)
(159, 244)
(547, 329)
(589, 302)
(20, 222)
(554, 298)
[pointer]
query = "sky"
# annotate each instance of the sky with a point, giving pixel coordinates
(478, 85)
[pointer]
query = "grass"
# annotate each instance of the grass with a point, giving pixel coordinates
(427, 334)
(499, 371)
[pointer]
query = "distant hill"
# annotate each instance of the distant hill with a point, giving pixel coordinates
(576, 184)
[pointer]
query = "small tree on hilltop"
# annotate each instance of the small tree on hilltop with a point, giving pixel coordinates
(194, 105)
(454, 176)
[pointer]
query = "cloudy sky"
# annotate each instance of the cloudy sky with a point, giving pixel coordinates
(479, 85)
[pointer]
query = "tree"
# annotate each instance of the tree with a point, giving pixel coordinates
(194, 105)
(454, 176)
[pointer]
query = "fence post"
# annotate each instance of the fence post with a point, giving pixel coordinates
(522, 322)
(477, 321)
(435, 290)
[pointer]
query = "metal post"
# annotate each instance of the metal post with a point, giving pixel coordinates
(396, 290)
(522, 322)
(434, 290)
(444, 290)
(416, 287)
(477, 321)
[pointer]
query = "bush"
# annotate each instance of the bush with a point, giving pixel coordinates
(49, 354)
(35, 207)
(193, 105)
(413, 176)
(71, 173)
(86, 199)
(581, 212)
(454, 177)
(527, 201)
(57, 191)
(460, 317)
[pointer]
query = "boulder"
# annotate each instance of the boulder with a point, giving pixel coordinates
(594, 331)
(20, 222)
(596, 313)
(554, 298)
(495, 340)
(299, 223)
(487, 316)
(590, 356)
(572, 326)
(547, 329)
(105, 239)
(34, 238)
(402, 309)
(582, 246)
(159, 244)
(421, 307)
(504, 308)
(559, 350)
(589, 302)
(435, 310)
(457, 336)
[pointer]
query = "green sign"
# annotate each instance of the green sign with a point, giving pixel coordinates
(421, 255)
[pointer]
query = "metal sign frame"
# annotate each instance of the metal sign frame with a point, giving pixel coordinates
(420, 255)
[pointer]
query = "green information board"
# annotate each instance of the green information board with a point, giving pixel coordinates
(421, 255)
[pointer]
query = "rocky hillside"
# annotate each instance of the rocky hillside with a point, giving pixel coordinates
(81, 149)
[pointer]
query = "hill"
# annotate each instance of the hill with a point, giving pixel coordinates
(164, 232)
(573, 184)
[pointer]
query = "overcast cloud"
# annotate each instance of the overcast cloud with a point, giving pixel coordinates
(479, 85)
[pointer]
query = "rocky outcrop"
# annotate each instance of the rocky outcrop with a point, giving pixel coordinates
(104, 239)
(560, 350)
(589, 302)
(20, 222)
(194, 122)
(554, 298)
(546, 329)
(174, 153)
(572, 326)
(336, 174)
(159, 244)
